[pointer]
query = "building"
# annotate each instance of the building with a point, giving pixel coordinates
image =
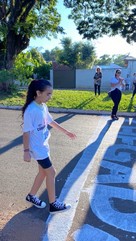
(130, 63)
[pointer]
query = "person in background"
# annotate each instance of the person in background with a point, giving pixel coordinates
(97, 81)
(117, 83)
(36, 119)
(127, 82)
(134, 85)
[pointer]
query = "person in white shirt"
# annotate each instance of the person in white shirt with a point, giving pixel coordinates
(36, 119)
(117, 83)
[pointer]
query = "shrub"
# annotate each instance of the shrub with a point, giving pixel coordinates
(7, 80)
(43, 71)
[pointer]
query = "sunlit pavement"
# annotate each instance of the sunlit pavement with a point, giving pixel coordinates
(101, 188)
(98, 180)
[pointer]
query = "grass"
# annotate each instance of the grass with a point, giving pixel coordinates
(73, 99)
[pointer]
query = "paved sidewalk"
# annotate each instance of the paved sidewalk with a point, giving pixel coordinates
(102, 188)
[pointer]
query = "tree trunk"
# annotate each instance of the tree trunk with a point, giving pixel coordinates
(15, 45)
(2, 54)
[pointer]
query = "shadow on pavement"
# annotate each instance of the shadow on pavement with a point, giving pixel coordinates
(30, 223)
(13, 143)
(19, 140)
(115, 190)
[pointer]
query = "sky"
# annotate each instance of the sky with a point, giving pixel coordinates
(105, 45)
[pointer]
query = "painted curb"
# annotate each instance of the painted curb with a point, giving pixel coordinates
(75, 111)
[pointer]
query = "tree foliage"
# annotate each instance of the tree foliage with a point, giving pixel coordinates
(29, 64)
(107, 60)
(22, 19)
(76, 55)
(99, 17)
(51, 55)
(119, 59)
(104, 60)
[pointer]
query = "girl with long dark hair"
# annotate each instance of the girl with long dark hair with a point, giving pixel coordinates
(36, 119)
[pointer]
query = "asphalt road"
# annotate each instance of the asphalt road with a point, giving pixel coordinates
(17, 176)
(95, 173)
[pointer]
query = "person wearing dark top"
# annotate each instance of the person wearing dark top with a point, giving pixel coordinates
(97, 81)
(134, 85)
(117, 83)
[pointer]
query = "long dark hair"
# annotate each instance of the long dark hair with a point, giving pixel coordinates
(41, 85)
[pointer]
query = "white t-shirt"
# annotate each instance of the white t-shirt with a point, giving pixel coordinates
(114, 80)
(36, 120)
(134, 79)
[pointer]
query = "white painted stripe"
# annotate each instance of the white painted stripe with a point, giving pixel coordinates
(58, 225)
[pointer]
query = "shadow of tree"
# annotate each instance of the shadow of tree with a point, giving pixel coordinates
(84, 103)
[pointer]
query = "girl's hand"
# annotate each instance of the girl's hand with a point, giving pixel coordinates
(27, 157)
(71, 135)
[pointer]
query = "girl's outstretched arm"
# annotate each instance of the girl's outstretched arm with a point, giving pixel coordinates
(54, 124)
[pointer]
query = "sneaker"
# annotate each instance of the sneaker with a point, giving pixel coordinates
(58, 207)
(35, 201)
(114, 117)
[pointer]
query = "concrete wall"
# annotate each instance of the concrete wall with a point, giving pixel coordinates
(84, 78)
(51, 77)
(131, 67)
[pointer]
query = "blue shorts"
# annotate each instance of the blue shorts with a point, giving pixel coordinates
(45, 163)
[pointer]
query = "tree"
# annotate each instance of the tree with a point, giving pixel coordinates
(22, 19)
(107, 60)
(119, 59)
(51, 55)
(98, 17)
(75, 55)
(66, 55)
(37, 57)
(43, 71)
(29, 63)
(104, 60)
(88, 55)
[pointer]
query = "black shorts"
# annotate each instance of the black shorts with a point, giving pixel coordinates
(45, 163)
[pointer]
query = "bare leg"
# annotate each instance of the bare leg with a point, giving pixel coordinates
(49, 173)
(38, 181)
(50, 184)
